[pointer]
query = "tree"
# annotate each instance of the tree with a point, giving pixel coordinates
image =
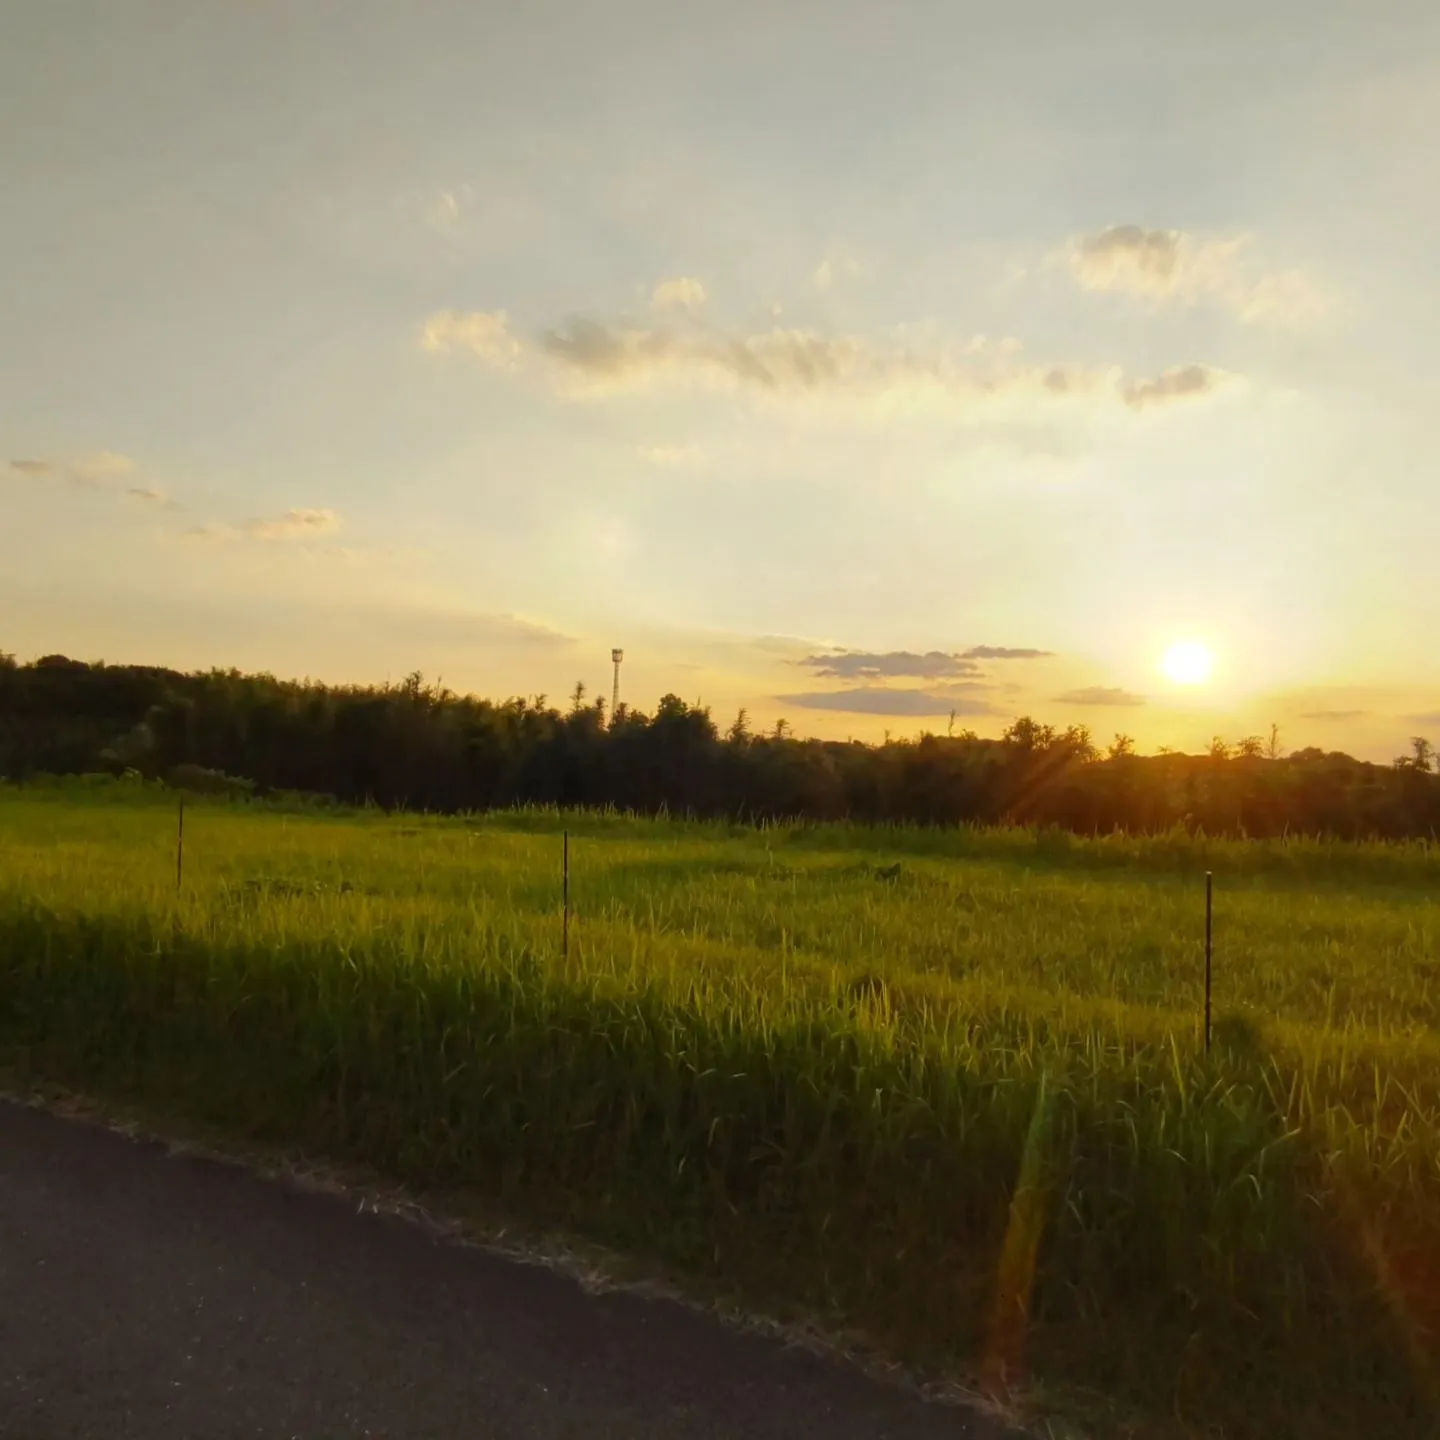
(1421, 756)
(424, 746)
(1028, 734)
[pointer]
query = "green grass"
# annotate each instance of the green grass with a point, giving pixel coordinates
(960, 1105)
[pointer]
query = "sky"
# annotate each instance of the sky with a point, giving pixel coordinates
(881, 367)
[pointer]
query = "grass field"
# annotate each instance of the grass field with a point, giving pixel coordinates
(943, 1087)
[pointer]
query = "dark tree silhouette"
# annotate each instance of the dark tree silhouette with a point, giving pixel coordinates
(420, 745)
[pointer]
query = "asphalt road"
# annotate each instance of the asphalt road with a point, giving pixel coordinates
(167, 1297)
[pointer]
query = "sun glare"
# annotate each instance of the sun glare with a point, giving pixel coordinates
(1188, 662)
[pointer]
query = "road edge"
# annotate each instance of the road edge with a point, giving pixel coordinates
(463, 1220)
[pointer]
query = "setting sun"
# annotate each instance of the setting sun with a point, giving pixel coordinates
(1188, 662)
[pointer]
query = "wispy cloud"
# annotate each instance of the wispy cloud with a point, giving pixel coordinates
(1125, 257)
(597, 358)
(101, 468)
(484, 334)
(149, 495)
(601, 357)
(829, 270)
(1332, 716)
(448, 207)
(1100, 695)
(97, 470)
(876, 700)
(682, 293)
(1429, 717)
(890, 665)
(966, 690)
(100, 471)
(1005, 652)
(911, 665)
(294, 524)
(1171, 266)
(1176, 384)
(588, 358)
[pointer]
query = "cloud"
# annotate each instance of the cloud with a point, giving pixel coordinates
(1430, 717)
(1099, 695)
(827, 272)
(1171, 266)
(100, 470)
(910, 665)
(151, 496)
(95, 471)
(484, 334)
(682, 293)
(875, 700)
(602, 357)
(1284, 298)
(586, 357)
(597, 358)
(1125, 257)
(892, 664)
(1004, 652)
(294, 523)
(671, 455)
(1328, 716)
(445, 210)
(968, 690)
(1179, 383)
(776, 644)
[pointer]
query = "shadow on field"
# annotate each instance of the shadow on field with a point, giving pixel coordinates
(1241, 1254)
(687, 872)
(1286, 863)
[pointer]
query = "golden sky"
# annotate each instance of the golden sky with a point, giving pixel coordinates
(853, 364)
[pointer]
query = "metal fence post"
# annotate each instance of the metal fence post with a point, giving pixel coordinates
(1209, 948)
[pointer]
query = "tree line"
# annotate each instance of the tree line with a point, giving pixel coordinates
(420, 746)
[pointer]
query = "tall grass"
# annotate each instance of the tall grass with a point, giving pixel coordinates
(946, 1088)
